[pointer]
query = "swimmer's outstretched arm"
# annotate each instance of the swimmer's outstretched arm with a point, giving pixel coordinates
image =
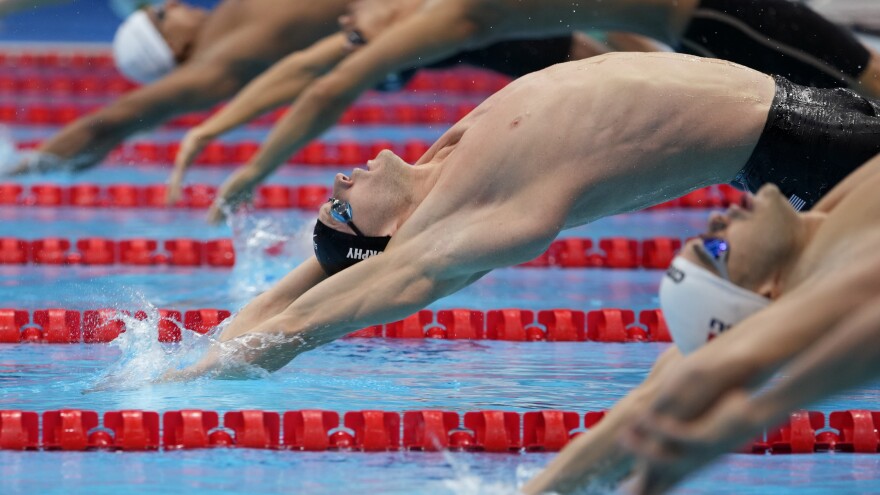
(85, 142)
(404, 279)
(281, 84)
(845, 357)
(594, 458)
(196, 85)
(426, 36)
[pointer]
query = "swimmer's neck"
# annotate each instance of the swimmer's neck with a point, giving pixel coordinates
(792, 269)
(419, 183)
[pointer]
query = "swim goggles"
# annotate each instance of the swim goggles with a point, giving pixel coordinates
(341, 212)
(715, 251)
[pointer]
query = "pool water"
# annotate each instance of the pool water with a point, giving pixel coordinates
(347, 375)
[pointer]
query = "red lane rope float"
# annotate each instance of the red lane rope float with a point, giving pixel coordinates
(317, 153)
(362, 113)
(611, 253)
(310, 196)
(27, 71)
(65, 326)
(382, 431)
(86, 195)
(99, 251)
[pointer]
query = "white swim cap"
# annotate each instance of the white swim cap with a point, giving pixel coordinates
(140, 51)
(698, 305)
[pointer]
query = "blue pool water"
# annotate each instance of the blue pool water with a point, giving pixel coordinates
(346, 375)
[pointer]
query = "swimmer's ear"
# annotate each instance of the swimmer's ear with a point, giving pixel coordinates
(772, 288)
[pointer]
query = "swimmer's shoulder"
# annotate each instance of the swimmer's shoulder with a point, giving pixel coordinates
(860, 182)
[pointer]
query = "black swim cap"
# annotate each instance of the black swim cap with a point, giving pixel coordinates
(337, 251)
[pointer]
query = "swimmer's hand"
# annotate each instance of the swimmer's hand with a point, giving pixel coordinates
(237, 189)
(668, 450)
(190, 147)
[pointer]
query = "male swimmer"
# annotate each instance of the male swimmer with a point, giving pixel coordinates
(765, 284)
(773, 36)
(189, 59)
(821, 269)
(468, 207)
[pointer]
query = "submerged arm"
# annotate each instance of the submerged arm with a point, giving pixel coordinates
(349, 300)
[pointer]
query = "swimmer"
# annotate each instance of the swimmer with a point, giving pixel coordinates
(764, 284)
(496, 188)
(822, 269)
(188, 59)
(773, 36)
(288, 78)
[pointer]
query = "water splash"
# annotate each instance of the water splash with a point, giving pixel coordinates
(143, 359)
(9, 155)
(266, 248)
(466, 482)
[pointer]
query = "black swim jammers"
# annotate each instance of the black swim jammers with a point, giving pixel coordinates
(812, 140)
(777, 37)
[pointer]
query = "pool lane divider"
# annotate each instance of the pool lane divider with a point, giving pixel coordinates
(382, 431)
(93, 73)
(612, 253)
(65, 326)
(42, 109)
(96, 251)
(198, 196)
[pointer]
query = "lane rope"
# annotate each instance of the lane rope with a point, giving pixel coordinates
(68, 326)
(380, 431)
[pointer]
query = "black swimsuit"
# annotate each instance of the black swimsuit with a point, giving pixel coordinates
(512, 58)
(812, 140)
(778, 37)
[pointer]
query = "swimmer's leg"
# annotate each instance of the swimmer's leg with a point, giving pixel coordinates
(594, 462)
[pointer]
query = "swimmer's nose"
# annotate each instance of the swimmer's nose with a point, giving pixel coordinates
(341, 183)
(717, 222)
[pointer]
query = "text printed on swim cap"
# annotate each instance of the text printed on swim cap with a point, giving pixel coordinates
(360, 254)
